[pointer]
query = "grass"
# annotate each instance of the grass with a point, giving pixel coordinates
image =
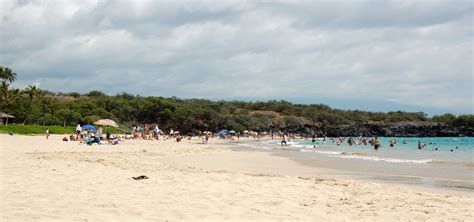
(38, 129)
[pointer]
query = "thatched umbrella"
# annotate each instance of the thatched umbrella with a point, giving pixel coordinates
(6, 116)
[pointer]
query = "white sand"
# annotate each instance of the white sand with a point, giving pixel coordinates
(54, 180)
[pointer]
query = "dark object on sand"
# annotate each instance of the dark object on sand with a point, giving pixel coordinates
(142, 177)
(10, 132)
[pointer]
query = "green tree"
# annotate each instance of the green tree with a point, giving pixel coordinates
(445, 118)
(7, 76)
(32, 92)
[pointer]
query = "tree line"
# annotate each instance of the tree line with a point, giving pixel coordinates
(33, 105)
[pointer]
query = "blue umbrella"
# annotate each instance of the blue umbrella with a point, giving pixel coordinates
(89, 128)
(222, 132)
(232, 132)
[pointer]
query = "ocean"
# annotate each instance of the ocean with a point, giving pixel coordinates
(443, 162)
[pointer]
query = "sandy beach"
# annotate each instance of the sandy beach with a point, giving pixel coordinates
(52, 180)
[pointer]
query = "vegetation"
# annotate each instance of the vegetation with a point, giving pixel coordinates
(40, 107)
(35, 129)
(38, 129)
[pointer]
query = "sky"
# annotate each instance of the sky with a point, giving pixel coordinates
(369, 55)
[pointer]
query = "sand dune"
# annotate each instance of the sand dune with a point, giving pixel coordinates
(46, 180)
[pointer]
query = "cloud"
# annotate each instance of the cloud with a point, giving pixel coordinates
(417, 53)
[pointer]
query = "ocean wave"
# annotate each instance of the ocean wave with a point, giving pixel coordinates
(244, 144)
(255, 147)
(321, 152)
(389, 160)
(363, 156)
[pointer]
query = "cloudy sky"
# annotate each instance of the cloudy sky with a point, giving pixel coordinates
(371, 55)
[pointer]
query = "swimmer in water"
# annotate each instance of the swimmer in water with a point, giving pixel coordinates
(314, 141)
(376, 143)
(421, 145)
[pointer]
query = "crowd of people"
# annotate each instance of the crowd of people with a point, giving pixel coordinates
(153, 132)
(91, 137)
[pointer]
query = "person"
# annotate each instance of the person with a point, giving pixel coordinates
(350, 141)
(283, 140)
(99, 131)
(405, 142)
(376, 143)
(156, 132)
(208, 134)
(47, 133)
(238, 135)
(314, 141)
(420, 146)
(78, 131)
(393, 142)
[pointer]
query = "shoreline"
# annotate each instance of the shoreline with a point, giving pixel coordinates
(418, 182)
(55, 180)
(367, 164)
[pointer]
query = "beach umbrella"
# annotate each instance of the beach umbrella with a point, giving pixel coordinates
(232, 132)
(89, 128)
(222, 132)
(6, 116)
(106, 122)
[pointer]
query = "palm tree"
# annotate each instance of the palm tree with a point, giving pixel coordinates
(32, 91)
(12, 97)
(7, 76)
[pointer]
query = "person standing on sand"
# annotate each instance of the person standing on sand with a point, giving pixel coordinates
(47, 133)
(78, 131)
